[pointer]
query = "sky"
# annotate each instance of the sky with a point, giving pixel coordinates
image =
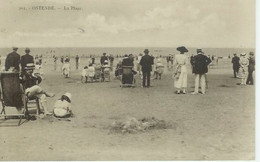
(129, 23)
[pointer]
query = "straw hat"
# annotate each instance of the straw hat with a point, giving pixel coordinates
(29, 66)
(243, 54)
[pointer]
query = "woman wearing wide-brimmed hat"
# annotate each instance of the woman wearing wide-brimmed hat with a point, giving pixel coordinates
(180, 74)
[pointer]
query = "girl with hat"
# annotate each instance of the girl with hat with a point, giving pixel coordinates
(244, 62)
(62, 107)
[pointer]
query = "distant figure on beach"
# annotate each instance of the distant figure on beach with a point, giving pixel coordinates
(40, 60)
(181, 75)
(251, 69)
(111, 60)
(93, 60)
(66, 68)
(244, 62)
(62, 59)
(62, 107)
(159, 68)
(200, 68)
(236, 65)
(105, 75)
(30, 82)
(84, 74)
(12, 61)
(77, 62)
(103, 58)
(26, 59)
(119, 69)
(146, 63)
(138, 63)
(55, 62)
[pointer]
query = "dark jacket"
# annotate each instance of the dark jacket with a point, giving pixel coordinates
(12, 59)
(200, 64)
(251, 66)
(127, 62)
(102, 59)
(146, 63)
(25, 59)
(29, 80)
(235, 61)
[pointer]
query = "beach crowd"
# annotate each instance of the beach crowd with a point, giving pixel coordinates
(126, 70)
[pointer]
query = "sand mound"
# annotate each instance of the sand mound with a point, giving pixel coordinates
(132, 125)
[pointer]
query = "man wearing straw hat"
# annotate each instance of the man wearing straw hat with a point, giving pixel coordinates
(146, 63)
(200, 68)
(12, 61)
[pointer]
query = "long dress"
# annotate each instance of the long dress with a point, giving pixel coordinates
(182, 61)
(244, 62)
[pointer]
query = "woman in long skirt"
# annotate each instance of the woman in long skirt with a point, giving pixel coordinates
(180, 62)
(244, 62)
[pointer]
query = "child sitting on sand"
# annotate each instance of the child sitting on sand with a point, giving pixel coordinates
(62, 107)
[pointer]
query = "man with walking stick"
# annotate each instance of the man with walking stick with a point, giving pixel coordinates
(200, 68)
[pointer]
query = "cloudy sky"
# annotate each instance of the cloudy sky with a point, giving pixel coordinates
(128, 23)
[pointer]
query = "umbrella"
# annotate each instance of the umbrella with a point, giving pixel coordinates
(182, 49)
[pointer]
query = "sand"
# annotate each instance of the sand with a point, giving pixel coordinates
(219, 125)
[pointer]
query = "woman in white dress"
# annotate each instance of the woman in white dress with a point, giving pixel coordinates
(180, 62)
(244, 62)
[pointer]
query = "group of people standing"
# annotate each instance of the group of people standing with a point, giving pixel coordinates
(243, 67)
(199, 64)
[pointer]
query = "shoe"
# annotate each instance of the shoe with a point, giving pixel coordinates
(178, 92)
(184, 92)
(193, 93)
(49, 94)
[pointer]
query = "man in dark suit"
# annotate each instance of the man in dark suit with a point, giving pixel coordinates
(200, 68)
(12, 61)
(146, 63)
(26, 59)
(235, 62)
(103, 58)
(251, 69)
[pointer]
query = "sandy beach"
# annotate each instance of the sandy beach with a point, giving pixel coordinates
(216, 126)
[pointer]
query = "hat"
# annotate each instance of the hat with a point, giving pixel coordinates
(68, 95)
(27, 50)
(251, 53)
(182, 49)
(146, 50)
(104, 53)
(15, 48)
(29, 66)
(243, 54)
(199, 50)
(106, 61)
(234, 54)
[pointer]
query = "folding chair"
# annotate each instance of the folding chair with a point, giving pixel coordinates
(12, 95)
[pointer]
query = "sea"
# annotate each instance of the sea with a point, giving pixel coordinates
(121, 51)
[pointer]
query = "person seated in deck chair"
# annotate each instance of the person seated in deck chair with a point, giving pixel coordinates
(30, 83)
(62, 107)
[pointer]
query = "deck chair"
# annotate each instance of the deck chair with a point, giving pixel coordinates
(128, 79)
(12, 95)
